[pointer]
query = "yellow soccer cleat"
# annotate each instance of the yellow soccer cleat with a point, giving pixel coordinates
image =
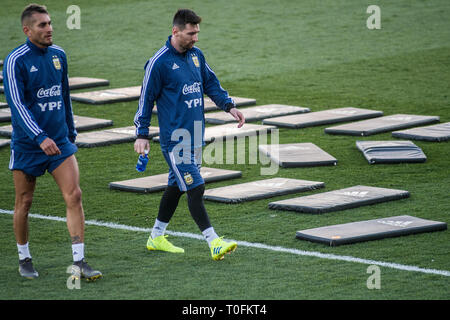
(219, 248)
(161, 243)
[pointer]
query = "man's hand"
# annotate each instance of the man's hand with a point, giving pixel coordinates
(49, 147)
(238, 116)
(141, 145)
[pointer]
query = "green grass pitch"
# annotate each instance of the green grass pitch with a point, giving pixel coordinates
(315, 54)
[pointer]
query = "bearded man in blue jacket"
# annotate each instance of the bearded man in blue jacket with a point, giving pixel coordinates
(43, 137)
(176, 78)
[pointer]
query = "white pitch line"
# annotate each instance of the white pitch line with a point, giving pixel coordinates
(316, 254)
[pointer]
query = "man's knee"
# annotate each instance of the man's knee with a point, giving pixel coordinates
(73, 196)
(23, 202)
(197, 192)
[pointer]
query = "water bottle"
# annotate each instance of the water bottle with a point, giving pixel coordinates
(142, 162)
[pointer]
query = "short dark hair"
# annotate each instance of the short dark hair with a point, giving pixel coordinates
(30, 9)
(184, 16)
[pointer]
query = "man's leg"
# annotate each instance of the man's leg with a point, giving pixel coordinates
(67, 177)
(167, 207)
(24, 185)
(218, 247)
(197, 208)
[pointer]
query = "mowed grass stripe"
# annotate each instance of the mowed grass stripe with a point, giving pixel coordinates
(253, 245)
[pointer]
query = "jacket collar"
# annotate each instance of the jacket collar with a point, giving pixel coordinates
(171, 48)
(35, 48)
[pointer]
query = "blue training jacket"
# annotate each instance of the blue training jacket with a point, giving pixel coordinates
(178, 82)
(37, 91)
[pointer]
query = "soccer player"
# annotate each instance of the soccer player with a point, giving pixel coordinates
(43, 137)
(177, 77)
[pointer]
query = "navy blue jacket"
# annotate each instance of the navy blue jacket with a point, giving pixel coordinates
(37, 91)
(177, 83)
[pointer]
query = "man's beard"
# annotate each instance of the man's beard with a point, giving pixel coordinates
(188, 46)
(48, 43)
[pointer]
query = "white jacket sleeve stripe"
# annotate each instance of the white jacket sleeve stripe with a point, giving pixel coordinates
(145, 83)
(11, 73)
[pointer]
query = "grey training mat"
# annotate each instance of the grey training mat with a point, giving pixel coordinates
(4, 142)
(255, 113)
(6, 130)
(210, 105)
(86, 82)
(81, 124)
(108, 95)
(382, 124)
(436, 132)
(5, 115)
(323, 117)
(341, 199)
(370, 230)
(238, 101)
(230, 131)
(3, 105)
(158, 182)
(390, 151)
(293, 155)
(110, 136)
(260, 189)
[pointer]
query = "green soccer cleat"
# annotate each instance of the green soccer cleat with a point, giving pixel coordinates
(27, 270)
(80, 269)
(161, 243)
(219, 248)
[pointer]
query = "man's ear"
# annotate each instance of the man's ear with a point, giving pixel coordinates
(174, 30)
(26, 29)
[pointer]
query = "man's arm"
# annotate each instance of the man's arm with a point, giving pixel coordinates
(238, 116)
(14, 84)
(219, 95)
(151, 86)
(68, 102)
(213, 89)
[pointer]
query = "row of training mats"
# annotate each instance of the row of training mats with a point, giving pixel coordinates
(279, 115)
(319, 203)
(373, 121)
(285, 155)
(437, 132)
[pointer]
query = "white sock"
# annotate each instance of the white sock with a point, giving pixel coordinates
(24, 251)
(159, 228)
(210, 235)
(78, 251)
